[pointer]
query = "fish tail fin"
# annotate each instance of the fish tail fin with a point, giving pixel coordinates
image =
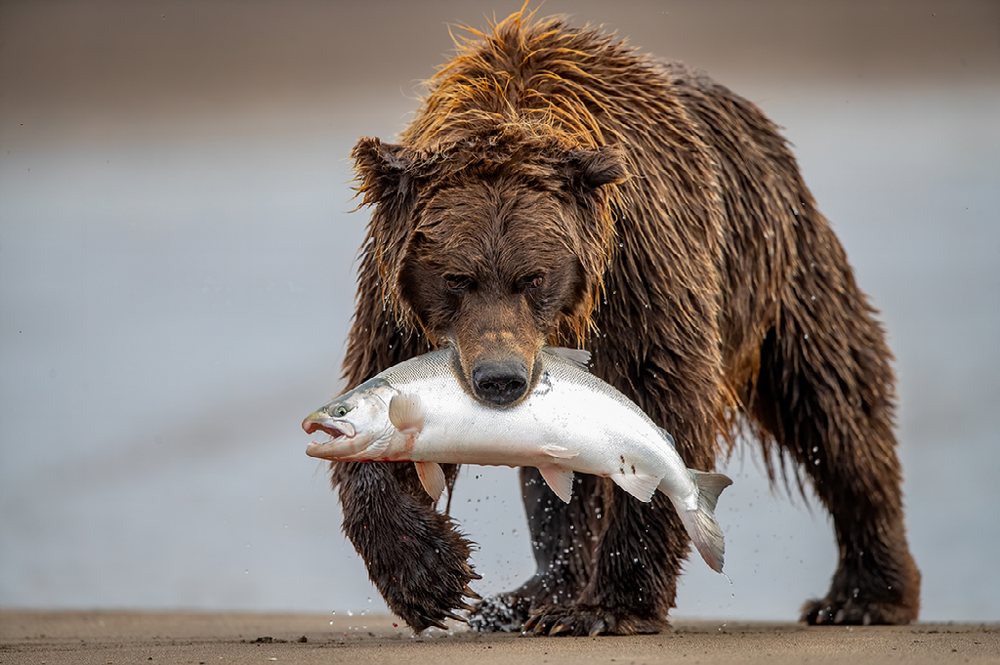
(701, 526)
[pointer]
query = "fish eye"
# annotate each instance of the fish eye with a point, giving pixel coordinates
(340, 411)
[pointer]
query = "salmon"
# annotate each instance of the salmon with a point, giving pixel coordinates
(572, 422)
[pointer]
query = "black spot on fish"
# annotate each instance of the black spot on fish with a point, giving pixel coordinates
(622, 469)
(622, 458)
(633, 469)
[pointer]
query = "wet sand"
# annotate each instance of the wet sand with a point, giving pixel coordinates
(134, 637)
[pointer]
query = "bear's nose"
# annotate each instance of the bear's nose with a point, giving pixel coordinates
(500, 383)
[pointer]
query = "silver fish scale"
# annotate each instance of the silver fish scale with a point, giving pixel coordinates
(420, 368)
(564, 387)
(441, 363)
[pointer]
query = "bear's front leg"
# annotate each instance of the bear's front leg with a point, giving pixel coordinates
(414, 555)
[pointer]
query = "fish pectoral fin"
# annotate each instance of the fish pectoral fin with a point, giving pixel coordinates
(561, 452)
(560, 480)
(431, 477)
(640, 485)
(406, 413)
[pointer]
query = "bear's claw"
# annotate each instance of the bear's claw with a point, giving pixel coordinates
(589, 621)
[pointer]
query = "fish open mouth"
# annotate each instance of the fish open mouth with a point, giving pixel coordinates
(342, 441)
(336, 430)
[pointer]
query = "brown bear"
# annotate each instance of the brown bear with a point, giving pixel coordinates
(557, 187)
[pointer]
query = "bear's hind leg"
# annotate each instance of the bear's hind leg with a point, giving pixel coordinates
(826, 393)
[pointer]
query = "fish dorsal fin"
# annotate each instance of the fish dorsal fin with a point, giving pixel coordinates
(561, 452)
(560, 480)
(640, 485)
(431, 477)
(578, 357)
(406, 414)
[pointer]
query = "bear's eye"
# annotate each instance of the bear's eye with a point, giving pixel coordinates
(534, 282)
(457, 283)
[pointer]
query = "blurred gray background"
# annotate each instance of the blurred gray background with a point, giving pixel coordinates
(177, 265)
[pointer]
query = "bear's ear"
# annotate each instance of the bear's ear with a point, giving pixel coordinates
(386, 177)
(595, 168)
(383, 169)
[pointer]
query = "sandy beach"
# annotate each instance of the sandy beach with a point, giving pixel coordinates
(134, 637)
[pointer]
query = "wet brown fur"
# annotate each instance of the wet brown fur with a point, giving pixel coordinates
(557, 187)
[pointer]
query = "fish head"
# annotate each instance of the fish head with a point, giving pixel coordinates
(357, 424)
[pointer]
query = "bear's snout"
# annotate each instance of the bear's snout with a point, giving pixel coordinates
(500, 383)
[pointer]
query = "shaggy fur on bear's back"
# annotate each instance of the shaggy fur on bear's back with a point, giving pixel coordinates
(557, 187)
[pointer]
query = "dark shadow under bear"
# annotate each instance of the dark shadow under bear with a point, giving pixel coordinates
(556, 187)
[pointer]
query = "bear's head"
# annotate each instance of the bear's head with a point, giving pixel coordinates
(495, 245)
